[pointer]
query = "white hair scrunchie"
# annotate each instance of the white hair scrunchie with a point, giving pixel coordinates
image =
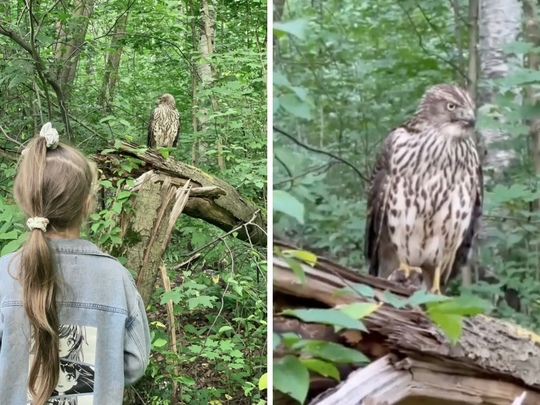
(37, 223)
(50, 134)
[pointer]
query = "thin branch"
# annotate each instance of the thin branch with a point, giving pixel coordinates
(192, 258)
(322, 168)
(312, 149)
(9, 138)
(421, 45)
(222, 237)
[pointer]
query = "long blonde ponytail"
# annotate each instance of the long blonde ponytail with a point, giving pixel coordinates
(52, 184)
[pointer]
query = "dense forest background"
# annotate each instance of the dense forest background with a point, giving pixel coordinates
(95, 69)
(346, 73)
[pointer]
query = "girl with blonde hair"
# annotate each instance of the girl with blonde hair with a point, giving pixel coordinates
(58, 282)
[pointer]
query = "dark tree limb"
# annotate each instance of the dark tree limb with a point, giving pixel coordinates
(42, 72)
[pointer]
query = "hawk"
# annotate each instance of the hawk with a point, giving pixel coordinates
(425, 200)
(164, 125)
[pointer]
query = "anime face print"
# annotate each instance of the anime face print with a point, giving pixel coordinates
(74, 378)
(77, 350)
(72, 338)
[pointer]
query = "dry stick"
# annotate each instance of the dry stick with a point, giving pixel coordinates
(192, 258)
(182, 197)
(172, 331)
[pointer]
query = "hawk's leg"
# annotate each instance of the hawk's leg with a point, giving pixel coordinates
(436, 287)
(408, 269)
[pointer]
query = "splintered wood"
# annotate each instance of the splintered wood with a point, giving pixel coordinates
(413, 363)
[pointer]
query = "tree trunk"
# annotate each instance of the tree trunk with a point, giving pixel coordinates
(113, 64)
(69, 46)
(472, 87)
(473, 49)
(500, 24)
(206, 74)
(147, 230)
(532, 34)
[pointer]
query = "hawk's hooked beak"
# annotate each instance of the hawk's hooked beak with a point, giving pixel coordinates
(467, 116)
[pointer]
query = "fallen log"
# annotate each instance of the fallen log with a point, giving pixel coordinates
(211, 199)
(492, 363)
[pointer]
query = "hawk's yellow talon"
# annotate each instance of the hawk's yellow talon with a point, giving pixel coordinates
(408, 269)
(436, 287)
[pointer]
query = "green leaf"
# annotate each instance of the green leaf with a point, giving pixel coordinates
(462, 305)
(297, 269)
(124, 194)
(263, 382)
(359, 310)
(293, 105)
(294, 27)
(361, 289)
(423, 297)
(225, 329)
(11, 247)
(306, 257)
(9, 235)
(280, 79)
(288, 204)
(159, 342)
(450, 324)
(331, 351)
(393, 300)
(329, 316)
(291, 377)
(203, 301)
(321, 367)
(289, 339)
(172, 295)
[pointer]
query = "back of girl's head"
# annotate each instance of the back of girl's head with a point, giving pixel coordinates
(53, 183)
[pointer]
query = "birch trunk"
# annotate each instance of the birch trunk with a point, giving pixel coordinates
(499, 24)
(532, 34)
(206, 73)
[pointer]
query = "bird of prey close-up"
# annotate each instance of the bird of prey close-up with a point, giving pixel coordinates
(164, 125)
(425, 200)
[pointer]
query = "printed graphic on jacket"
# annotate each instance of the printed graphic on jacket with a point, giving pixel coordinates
(77, 366)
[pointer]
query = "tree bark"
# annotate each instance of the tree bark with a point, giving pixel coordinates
(499, 24)
(532, 34)
(69, 45)
(113, 64)
(206, 73)
(146, 231)
(489, 349)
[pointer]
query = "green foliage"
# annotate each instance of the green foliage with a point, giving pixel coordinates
(291, 373)
(345, 75)
(221, 324)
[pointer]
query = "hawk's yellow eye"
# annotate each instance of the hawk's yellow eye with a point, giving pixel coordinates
(451, 106)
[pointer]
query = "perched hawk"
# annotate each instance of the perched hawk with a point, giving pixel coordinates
(425, 201)
(164, 125)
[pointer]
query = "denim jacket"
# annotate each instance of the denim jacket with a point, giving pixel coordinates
(104, 334)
